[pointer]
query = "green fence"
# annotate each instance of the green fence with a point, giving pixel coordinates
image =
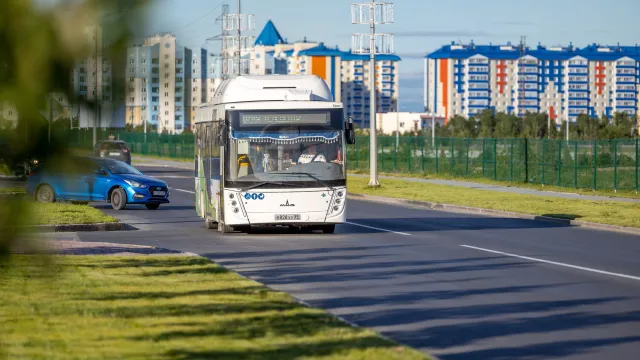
(599, 164)
(150, 144)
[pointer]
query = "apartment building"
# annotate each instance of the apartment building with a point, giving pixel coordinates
(563, 81)
(166, 81)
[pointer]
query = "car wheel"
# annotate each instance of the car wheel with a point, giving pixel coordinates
(328, 229)
(152, 206)
(45, 194)
(118, 199)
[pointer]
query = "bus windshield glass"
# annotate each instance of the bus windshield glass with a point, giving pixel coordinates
(284, 148)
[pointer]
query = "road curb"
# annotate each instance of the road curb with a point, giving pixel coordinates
(114, 226)
(491, 212)
(165, 165)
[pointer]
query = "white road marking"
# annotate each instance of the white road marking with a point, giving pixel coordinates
(376, 228)
(555, 263)
(172, 177)
(186, 191)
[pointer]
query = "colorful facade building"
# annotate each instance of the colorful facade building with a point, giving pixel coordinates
(560, 81)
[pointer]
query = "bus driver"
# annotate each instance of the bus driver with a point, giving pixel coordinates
(311, 155)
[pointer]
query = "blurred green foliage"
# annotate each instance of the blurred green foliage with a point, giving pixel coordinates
(41, 43)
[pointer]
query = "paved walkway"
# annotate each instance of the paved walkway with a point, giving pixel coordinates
(466, 184)
(69, 244)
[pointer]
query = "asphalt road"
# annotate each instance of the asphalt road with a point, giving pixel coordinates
(457, 286)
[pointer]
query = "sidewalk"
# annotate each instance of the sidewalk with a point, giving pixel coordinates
(466, 184)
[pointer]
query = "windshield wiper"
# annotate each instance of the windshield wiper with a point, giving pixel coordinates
(268, 183)
(321, 182)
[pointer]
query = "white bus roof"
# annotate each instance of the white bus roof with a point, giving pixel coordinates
(272, 88)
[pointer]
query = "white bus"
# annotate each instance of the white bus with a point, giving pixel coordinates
(270, 150)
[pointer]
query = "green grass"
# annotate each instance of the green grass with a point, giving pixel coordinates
(604, 212)
(600, 192)
(60, 213)
(10, 190)
(166, 158)
(165, 307)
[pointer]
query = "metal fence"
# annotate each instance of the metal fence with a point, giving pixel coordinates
(150, 144)
(586, 164)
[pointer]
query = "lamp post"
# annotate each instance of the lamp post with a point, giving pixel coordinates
(237, 22)
(372, 13)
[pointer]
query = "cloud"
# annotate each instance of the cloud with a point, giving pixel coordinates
(443, 33)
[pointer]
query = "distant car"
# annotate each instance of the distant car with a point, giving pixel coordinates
(91, 179)
(113, 149)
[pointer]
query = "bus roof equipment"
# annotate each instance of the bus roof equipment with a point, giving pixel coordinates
(273, 88)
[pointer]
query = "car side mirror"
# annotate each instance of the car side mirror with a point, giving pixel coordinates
(350, 133)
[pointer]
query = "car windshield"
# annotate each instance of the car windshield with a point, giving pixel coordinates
(118, 167)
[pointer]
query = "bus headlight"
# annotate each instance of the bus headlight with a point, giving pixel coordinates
(234, 203)
(236, 210)
(337, 202)
(231, 196)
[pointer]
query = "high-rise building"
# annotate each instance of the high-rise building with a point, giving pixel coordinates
(346, 74)
(563, 82)
(92, 80)
(165, 81)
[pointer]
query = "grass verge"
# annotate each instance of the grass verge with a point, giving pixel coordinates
(12, 190)
(601, 192)
(604, 212)
(60, 214)
(166, 307)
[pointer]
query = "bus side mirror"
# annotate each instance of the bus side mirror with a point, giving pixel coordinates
(350, 133)
(222, 134)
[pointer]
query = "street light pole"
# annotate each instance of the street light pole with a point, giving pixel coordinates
(95, 85)
(372, 13)
(239, 39)
(373, 176)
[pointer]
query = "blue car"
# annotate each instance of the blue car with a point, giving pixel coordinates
(88, 179)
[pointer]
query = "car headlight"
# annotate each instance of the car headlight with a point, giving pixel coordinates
(135, 184)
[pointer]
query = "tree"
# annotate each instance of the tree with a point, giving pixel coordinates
(41, 46)
(588, 128)
(461, 127)
(507, 126)
(534, 126)
(487, 123)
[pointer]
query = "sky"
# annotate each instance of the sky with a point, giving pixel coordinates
(420, 26)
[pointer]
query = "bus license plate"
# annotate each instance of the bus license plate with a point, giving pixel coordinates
(159, 193)
(288, 217)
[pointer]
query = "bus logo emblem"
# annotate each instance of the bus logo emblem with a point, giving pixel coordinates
(287, 204)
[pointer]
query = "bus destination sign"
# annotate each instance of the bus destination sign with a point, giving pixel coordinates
(248, 119)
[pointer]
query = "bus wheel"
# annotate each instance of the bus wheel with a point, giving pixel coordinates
(225, 229)
(328, 229)
(210, 224)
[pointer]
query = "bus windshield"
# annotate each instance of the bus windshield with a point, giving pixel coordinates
(285, 155)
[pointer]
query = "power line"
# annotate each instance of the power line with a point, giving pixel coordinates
(198, 19)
